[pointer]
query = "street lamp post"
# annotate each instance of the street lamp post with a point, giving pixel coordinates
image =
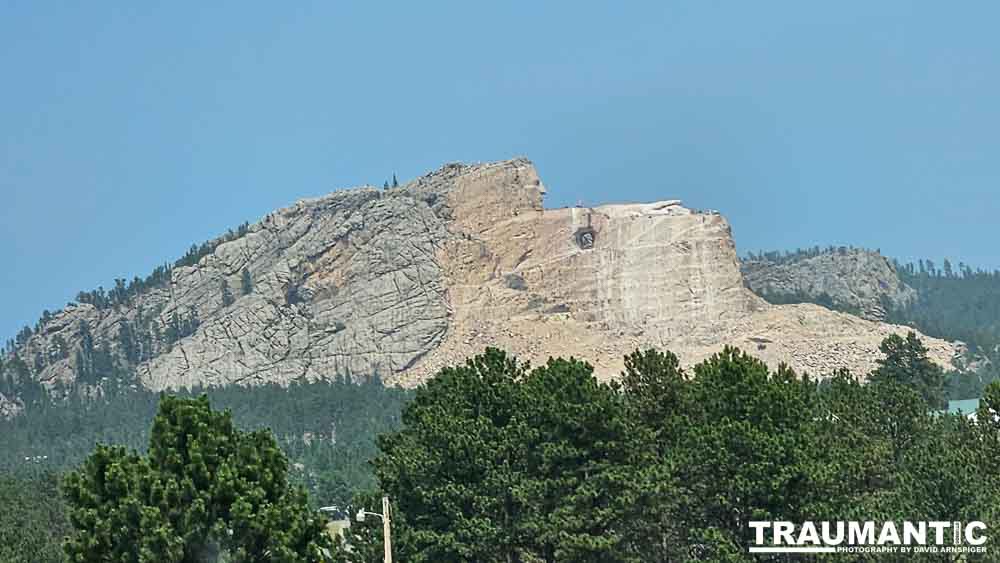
(385, 526)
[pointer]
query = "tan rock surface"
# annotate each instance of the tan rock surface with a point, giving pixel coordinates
(403, 281)
(658, 275)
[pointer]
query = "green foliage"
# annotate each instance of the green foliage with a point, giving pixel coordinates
(197, 252)
(33, 520)
(16, 382)
(906, 363)
(124, 291)
(497, 461)
(799, 254)
(204, 488)
(326, 429)
(461, 430)
(179, 326)
(953, 302)
(957, 304)
(226, 293)
(246, 282)
(962, 305)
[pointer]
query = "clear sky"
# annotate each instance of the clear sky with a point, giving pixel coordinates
(129, 131)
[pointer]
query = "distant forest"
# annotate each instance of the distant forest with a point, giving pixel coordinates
(496, 460)
(327, 429)
(954, 302)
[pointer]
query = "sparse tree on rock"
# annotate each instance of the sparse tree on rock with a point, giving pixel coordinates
(246, 282)
(227, 294)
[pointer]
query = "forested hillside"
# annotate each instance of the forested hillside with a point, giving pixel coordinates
(33, 519)
(500, 462)
(953, 301)
(327, 431)
(957, 302)
(496, 461)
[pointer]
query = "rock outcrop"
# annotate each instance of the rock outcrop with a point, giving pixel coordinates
(400, 282)
(854, 280)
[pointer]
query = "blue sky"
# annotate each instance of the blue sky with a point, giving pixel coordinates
(128, 132)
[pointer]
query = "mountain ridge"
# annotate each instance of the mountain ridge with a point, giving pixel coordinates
(846, 279)
(400, 282)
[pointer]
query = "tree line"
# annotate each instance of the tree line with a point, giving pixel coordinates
(497, 461)
(325, 432)
(954, 302)
(328, 428)
(124, 291)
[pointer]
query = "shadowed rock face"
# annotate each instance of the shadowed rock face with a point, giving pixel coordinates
(403, 281)
(855, 280)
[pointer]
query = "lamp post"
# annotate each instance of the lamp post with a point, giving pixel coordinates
(385, 526)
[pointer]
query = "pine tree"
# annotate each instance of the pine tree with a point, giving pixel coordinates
(906, 363)
(498, 464)
(205, 489)
(246, 282)
(395, 183)
(227, 294)
(459, 430)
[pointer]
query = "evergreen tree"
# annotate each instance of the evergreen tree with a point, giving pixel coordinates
(460, 429)
(496, 463)
(580, 483)
(906, 363)
(226, 293)
(395, 183)
(32, 520)
(204, 489)
(246, 282)
(127, 342)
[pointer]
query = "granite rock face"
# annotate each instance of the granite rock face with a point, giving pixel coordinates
(344, 285)
(860, 281)
(401, 282)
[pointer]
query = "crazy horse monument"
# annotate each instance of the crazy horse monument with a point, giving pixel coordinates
(401, 282)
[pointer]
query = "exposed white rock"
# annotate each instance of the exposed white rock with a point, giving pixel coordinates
(400, 282)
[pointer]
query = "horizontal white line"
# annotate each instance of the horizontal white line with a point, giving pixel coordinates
(793, 550)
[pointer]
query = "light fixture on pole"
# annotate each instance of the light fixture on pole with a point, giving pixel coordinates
(385, 526)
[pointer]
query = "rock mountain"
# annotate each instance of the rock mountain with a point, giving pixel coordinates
(403, 281)
(848, 279)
